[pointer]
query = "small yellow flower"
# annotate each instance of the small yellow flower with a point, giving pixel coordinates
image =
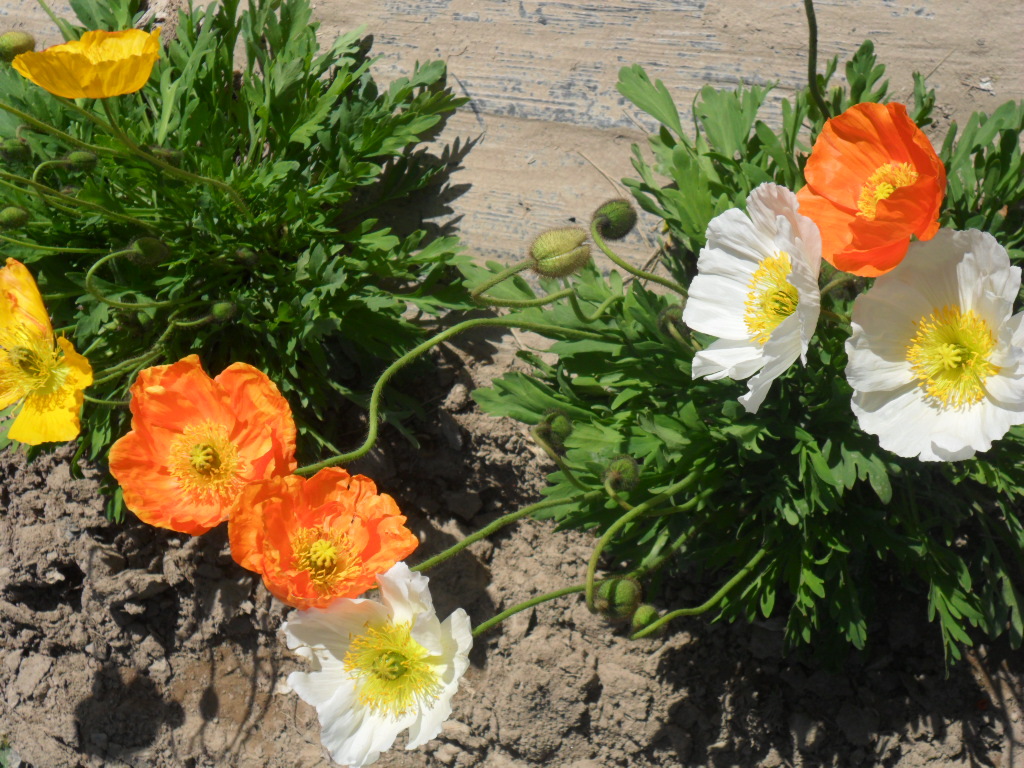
(43, 372)
(98, 66)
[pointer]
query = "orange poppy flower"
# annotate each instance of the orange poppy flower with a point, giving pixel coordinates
(99, 65)
(196, 442)
(873, 180)
(319, 539)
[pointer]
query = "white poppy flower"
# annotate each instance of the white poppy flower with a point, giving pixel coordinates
(379, 667)
(936, 360)
(757, 291)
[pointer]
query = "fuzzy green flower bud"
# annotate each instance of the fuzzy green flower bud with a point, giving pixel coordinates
(559, 252)
(617, 599)
(622, 472)
(12, 217)
(223, 311)
(14, 149)
(81, 160)
(556, 428)
(169, 156)
(615, 219)
(149, 251)
(644, 616)
(247, 256)
(14, 43)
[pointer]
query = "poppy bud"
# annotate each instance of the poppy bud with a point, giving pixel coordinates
(14, 149)
(617, 599)
(149, 250)
(12, 217)
(559, 252)
(615, 219)
(14, 43)
(556, 428)
(644, 616)
(81, 160)
(169, 156)
(247, 256)
(223, 311)
(622, 472)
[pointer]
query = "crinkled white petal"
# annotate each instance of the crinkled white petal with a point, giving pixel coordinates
(737, 244)
(352, 732)
(968, 271)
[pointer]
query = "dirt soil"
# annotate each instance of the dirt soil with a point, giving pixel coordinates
(125, 645)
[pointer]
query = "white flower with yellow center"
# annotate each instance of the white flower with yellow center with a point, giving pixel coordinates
(757, 291)
(936, 360)
(379, 668)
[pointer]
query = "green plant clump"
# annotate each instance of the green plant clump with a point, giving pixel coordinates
(242, 206)
(794, 510)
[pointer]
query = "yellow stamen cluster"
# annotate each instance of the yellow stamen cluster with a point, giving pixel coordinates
(949, 357)
(881, 184)
(206, 463)
(29, 365)
(771, 298)
(393, 672)
(327, 556)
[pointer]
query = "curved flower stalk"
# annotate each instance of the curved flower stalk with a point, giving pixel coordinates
(378, 668)
(873, 180)
(320, 539)
(98, 66)
(757, 291)
(196, 442)
(936, 360)
(42, 372)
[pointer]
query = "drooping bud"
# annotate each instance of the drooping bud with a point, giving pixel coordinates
(644, 616)
(12, 217)
(223, 311)
(149, 251)
(617, 599)
(615, 219)
(14, 43)
(247, 256)
(559, 252)
(81, 160)
(622, 473)
(14, 150)
(556, 428)
(169, 156)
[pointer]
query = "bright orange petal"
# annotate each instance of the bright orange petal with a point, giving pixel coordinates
(172, 396)
(257, 400)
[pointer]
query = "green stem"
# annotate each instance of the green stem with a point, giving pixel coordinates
(623, 521)
(599, 241)
(408, 357)
(714, 600)
(98, 294)
(49, 191)
(63, 26)
(120, 368)
(101, 401)
(553, 455)
(497, 525)
(615, 496)
(585, 318)
(515, 269)
(540, 301)
(835, 317)
(65, 137)
(53, 249)
(812, 59)
(479, 629)
(841, 279)
(664, 557)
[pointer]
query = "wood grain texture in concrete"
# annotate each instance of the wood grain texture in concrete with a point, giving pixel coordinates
(552, 133)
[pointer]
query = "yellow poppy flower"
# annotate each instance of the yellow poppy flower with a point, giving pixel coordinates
(98, 66)
(43, 372)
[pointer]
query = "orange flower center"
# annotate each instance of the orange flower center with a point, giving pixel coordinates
(206, 463)
(882, 183)
(326, 555)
